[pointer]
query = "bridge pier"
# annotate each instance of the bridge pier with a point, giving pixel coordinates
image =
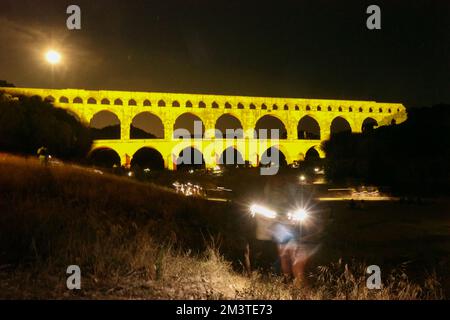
(169, 162)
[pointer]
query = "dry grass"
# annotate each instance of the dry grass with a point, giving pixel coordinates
(170, 274)
(339, 281)
(139, 241)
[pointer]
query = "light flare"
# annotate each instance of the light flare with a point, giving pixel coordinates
(53, 57)
(257, 209)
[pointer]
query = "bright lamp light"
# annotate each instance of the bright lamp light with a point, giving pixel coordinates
(299, 215)
(263, 211)
(53, 57)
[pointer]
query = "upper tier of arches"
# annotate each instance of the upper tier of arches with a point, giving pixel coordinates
(177, 100)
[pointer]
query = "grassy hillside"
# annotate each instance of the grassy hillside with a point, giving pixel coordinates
(135, 240)
(54, 208)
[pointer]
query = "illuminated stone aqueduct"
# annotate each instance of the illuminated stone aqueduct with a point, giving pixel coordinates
(247, 112)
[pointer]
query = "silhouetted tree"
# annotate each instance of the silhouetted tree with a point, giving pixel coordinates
(29, 123)
(413, 156)
(4, 83)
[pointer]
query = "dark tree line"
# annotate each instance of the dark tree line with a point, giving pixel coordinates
(4, 83)
(113, 132)
(27, 123)
(411, 157)
(108, 132)
(137, 133)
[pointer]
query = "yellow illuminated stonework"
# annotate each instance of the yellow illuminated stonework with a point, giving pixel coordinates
(248, 110)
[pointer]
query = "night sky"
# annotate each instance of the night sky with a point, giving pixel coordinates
(310, 49)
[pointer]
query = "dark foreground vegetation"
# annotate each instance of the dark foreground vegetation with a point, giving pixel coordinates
(136, 240)
(412, 157)
(28, 123)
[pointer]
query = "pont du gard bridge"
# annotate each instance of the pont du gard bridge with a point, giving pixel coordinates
(303, 123)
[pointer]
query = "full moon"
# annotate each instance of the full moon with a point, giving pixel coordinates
(53, 56)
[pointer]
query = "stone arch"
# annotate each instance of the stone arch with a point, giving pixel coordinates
(105, 101)
(77, 100)
(50, 99)
(252, 106)
(175, 104)
(273, 156)
(187, 124)
(369, 124)
(147, 103)
(231, 157)
(240, 106)
(227, 105)
(63, 99)
(190, 158)
(215, 105)
(118, 102)
(202, 104)
(188, 104)
(147, 158)
(340, 125)
(91, 101)
(146, 125)
(308, 128)
(269, 122)
(132, 102)
(312, 154)
(104, 157)
(74, 114)
(161, 103)
(284, 150)
(105, 124)
(228, 121)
